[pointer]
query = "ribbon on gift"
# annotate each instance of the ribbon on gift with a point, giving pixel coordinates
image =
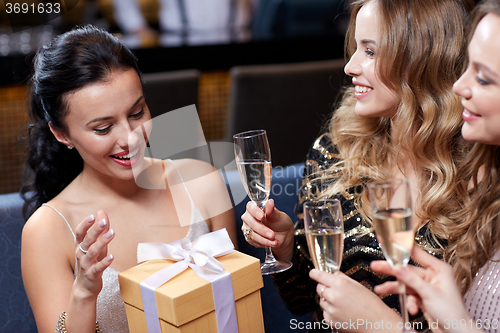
(200, 256)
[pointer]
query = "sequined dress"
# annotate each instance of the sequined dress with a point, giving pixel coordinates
(482, 300)
(295, 287)
(110, 309)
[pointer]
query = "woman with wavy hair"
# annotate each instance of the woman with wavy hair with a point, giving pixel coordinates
(86, 103)
(401, 119)
(474, 240)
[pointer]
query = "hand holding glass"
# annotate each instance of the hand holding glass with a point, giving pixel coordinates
(253, 158)
(391, 207)
(324, 228)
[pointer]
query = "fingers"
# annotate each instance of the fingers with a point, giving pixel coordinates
(272, 213)
(262, 235)
(412, 279)
(93, 239)
(389, 287)
(382, 266)
(255, 239)
(425, 259)
(100, 266)
(324, 278)
(83, 227)
(413, 304)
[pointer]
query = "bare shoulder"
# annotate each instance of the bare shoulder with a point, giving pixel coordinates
(191, 169)
(191, 165)
(46, 226)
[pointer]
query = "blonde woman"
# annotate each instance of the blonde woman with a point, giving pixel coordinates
(401, 119)
(474, 242)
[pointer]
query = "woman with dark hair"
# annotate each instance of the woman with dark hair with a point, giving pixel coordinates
(86, 101)
(474, 242)
(401, 119)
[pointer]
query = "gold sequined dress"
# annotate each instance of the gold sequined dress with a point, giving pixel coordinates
(295, 287)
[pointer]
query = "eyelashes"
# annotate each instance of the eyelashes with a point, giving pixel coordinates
(102, 131)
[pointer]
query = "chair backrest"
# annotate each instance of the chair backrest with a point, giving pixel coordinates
(291, 101)
(167, 91)
(15, 311)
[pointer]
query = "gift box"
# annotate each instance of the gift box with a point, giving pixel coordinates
(185, 302)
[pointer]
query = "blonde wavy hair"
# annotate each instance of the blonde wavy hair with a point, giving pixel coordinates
(475, 235)
(420, 54)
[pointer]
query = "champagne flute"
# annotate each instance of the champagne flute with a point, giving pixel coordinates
(392, 219)
(324, 228)
(253, 158)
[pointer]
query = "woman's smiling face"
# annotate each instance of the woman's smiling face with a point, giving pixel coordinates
(374, 98)
(479, 86)
(100, 122)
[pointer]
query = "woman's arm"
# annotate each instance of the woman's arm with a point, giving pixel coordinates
(46, 261)
(432, 288)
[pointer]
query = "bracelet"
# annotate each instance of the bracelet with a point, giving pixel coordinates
(61, 324)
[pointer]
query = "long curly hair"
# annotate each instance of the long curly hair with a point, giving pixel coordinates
(475, 236)
(71, 61)
(421, 52)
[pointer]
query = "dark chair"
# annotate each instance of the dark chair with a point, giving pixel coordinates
(169, 91)
(290, 101)
(15, 311)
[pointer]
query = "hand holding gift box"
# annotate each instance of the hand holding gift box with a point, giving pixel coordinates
(189, 302)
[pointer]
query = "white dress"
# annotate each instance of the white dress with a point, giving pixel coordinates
(110, 307)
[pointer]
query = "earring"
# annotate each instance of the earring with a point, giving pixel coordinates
(70, 147)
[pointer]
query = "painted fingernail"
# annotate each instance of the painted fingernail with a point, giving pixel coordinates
(102, 224)
(109, 258)
(90, 219)
(109, 234)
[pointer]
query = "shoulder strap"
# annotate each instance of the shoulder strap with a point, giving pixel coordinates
(58, 212)
(182, 180)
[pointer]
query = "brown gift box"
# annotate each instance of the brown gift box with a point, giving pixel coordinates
(185, 303)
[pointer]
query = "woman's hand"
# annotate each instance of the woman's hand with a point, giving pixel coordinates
(92, 238)
(278, 232)
(351, 306)
(432, 288)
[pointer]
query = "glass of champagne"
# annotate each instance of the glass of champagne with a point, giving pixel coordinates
(253, 158)
(391, 207)
(324, 228)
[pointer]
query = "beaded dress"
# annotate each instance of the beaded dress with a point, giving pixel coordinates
(482, 300)
(110, 309)
(361, 247)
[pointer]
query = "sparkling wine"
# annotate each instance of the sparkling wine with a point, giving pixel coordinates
(326, 247)
(256, 177)
(394, 233)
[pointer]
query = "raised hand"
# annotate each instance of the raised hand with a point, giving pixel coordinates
(432, 288)
(278, 233)
(346, 301)
(92, 238)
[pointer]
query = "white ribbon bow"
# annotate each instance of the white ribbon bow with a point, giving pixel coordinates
(200, 256)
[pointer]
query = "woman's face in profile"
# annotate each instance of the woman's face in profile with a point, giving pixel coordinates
(479, 86)
(374, 98)
(100, 122)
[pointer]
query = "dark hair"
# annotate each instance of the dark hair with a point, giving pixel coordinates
(71, 61)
